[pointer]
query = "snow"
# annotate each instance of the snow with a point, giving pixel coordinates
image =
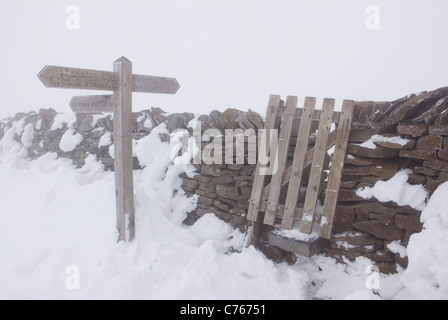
(20, 126)
(70, 140)
(439, 103)
(147, 157)
(105, 140)
(148, 124)
(95, 119)
(39, 124)
(337, 281)
(370, 144)
(295, 233)
(28, 135)
(68, 219)
(61, 219)
(398, 190)
(112, 151)
(396, 247)
(344, 244)
(100, 129)
(427, 274)
(350, 234)
(324, 221)
(12, 151)
(188, 152)
(62, 119)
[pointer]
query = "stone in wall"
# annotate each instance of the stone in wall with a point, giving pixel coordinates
(412, 108)
(412, 130)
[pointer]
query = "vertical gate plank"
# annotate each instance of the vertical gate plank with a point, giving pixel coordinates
(280, 159)
(308, 158)
(257, 188)
(316, 166)
(297, 167)
(334, 180)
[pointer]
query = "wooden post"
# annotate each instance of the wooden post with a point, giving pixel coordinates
(124, 188)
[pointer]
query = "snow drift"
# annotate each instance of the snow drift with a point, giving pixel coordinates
(427, 274)
(56, 216)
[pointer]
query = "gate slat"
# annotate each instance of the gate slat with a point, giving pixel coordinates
(265, 193)
(281, 208)
(309, 158)
(259, 180)
(334, 180)
(280, 159)
(297, 167)
(315, 117)
(316, 167)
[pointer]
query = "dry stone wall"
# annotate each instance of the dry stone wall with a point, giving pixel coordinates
(366, 227)
(223, 190)
(362, 227)
(48, 128)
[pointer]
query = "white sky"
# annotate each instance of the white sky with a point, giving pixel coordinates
(227, 53)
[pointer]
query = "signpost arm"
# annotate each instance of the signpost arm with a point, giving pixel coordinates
(124, 187)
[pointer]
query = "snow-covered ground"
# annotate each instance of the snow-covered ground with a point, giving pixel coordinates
(57, 220)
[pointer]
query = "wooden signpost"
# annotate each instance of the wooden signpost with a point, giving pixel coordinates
(92, 104)
(122, 82)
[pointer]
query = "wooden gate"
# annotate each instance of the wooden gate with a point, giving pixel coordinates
(305, 180)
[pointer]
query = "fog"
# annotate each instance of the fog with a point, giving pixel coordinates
(227, 53)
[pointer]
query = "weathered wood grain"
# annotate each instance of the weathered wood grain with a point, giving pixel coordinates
(317, 166)
(92, 104)
(153, 84)
(276, 180)
(295, 180)
(74, 78)
(87, 79)
(257, 188)
(334, 180)
(124, 186)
